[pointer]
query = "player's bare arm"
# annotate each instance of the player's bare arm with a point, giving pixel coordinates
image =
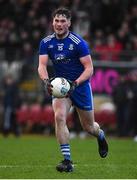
(88, 69)
(42, 68)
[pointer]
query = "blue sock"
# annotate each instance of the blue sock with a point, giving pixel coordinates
(101, 135)
(65, 149)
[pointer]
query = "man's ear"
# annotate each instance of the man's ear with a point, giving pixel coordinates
(69, 23)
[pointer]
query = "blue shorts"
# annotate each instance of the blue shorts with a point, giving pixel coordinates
(82, 97)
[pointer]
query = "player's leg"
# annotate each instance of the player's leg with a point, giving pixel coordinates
(88, 123)
(61, 108)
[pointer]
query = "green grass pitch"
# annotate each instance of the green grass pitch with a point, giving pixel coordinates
(35, 157)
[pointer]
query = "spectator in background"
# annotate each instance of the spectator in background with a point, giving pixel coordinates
(134, 47)
(133, 19)
(11, 102)
(120, 100)
(133, 104)
(28, 61)
(109, 50)
(125, 99)
(123, 36)
(114, 48)
(112, 14)
(82, 24)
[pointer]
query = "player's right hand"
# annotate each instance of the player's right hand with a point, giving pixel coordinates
(73, 85)
(48, 86)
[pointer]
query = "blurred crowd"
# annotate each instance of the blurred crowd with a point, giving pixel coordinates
(107, 25)
(110, 28)
(125, 99)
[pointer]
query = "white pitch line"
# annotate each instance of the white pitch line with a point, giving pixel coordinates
(24, 166)
(36, 166)
(51, 166)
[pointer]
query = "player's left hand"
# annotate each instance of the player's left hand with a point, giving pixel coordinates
(73, 85)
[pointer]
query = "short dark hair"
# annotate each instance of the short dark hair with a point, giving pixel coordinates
(62, 11)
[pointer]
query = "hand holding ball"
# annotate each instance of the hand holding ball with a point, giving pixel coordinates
(60, 87)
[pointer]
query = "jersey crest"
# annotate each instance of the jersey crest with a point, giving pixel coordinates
(71, 47)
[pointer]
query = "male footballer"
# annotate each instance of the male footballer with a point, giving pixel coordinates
(71, 59)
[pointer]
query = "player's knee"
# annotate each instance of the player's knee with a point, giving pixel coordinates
(59, 117)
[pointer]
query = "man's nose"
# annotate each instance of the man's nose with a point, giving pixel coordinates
(59, 23)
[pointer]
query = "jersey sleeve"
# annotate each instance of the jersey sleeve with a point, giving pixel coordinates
(43, 48)
(83, 49)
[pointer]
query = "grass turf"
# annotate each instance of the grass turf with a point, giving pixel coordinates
(35, 157)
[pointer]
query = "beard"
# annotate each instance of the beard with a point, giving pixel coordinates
(61, 35)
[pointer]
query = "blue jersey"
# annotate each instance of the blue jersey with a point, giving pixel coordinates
(65, 54)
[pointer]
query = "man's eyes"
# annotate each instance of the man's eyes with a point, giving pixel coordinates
(62, 21)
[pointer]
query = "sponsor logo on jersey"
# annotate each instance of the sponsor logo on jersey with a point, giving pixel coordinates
(61, 58)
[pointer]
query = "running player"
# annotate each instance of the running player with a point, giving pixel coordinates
(71, 59)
